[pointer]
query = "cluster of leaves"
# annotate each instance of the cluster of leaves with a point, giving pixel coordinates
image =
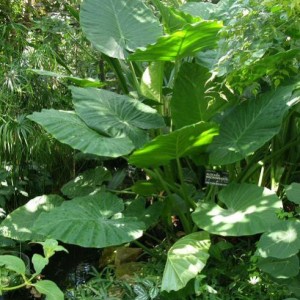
(182, 72)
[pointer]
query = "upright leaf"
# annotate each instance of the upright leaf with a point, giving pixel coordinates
(185, 42)
(116, 27)
(90, 221)
(191, 101)
(186, 258)
(115, 115)
(152, 80)
(250, 125)
(69, 129)
(183, 142)
(249, 210)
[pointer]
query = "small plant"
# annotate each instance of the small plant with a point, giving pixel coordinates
(14, 274)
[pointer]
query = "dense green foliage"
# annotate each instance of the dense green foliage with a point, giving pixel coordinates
(189, 142)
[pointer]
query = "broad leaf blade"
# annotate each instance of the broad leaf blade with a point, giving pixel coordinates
(293, 192)
(249, 210)
(116, 27)
(281, 242)
(50, 289)
(249, 126)
(69, 129)
(115, 115)
(191, 102)
(18, 224)
(90, 221)
(280, 268)
(185, 141)
(186, 42)
(186, 258)
(86, 183)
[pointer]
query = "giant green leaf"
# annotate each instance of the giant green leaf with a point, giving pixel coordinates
(187, 140)
(280, 268)
(191, 101)
(69, 129)
(248, 210)
(186, 258)
(116, 27)
(86, 183)
(293, 192)
(282, 241)
(18, 224)
(115, 115)
(250, 125)
(90, 221)
(185, 42)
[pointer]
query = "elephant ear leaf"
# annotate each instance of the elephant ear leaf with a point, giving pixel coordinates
(252, 125)
(90, 221)
(69, 129)
(117, 27)
(246, 210)
(115, 115)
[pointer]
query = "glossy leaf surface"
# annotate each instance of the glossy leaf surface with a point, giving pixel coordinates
(187, 140)
(186, 258)
(185, 42)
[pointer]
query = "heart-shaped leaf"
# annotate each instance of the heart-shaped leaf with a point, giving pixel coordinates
(69, 129)
(18, 224)
(252, 125)
(115, 115)
(116, 27)
(185, 42)
(90, 221)
(281, 241)
(185, 141)
(186, 258)
(249, 210)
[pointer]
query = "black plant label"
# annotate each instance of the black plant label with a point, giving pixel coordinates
(220, 178)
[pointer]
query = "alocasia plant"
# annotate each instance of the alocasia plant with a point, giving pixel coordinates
(216, 119)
